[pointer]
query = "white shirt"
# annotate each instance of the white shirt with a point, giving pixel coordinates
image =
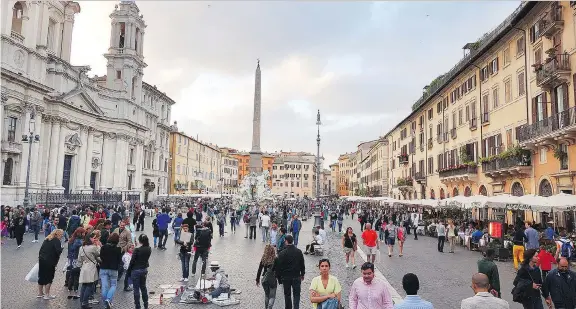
(318, 239)
(322, 234)
(265, 219)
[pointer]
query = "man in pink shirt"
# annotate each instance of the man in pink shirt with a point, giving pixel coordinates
(369, 292)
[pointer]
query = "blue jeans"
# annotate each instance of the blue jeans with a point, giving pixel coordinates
(176, 233)
(295, 235)
(185, 261)
(85, 292)
(109, 278)
(139, 284)
(219, 291)
(163, 238)
(36, 230)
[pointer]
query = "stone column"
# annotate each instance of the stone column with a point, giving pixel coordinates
(107, 170)
(67, 37)
(119, 167)
(60, 158)
(113, 30)
(141, 46)
(30, 32)
(25, 124)
(89, 155)
(45, 140)
(127, 35)
(138, 164)
(37, 152)
(53, 154)
(80, 163)
(43, 39)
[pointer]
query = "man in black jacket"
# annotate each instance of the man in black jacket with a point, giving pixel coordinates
(203, 242)
(561, 283)
(290, 272)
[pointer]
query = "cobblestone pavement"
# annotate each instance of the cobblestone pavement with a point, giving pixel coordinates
(238, 256)
(445, 278)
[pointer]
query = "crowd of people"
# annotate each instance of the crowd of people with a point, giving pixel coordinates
(103, 249)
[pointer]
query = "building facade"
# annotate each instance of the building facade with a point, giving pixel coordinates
(294, 176)
(326, 182)
(243, 158)
(501, 120)
(335, 178)
(229, 174)
(105, 133)
(195, 166)
(344, 173)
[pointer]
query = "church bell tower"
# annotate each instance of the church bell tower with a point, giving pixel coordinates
(126, 52)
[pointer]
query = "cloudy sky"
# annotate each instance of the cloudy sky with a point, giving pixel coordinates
(363, 64)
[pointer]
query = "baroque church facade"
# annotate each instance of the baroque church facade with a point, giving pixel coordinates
(90, 135)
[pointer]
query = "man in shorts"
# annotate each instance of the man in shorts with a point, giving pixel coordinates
(370, 238)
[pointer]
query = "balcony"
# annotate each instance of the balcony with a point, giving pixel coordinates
(422, 147)
(403, 158)
(420, 177)
(554, 72)
(11, 147)
(473, 123)
(446, 137)
(552, 23)
(404, 183)
(430, 143)
(460, 173)
(17, 36)
(453, 133)
(440, 138)
(557, 128)
(514, 166)
(485, 118)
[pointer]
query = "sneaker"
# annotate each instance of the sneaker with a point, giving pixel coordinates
(185, 279)
(347, 265)
(107, 304)
(19, 247)
(353, 266)
(182, 279)
(49, 297)
(39, 296)
(93, 301)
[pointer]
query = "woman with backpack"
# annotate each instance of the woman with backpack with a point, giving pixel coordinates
(268, 276)
(528, 284)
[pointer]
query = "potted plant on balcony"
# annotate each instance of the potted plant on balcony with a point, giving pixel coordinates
(559, 154)
(537, 67)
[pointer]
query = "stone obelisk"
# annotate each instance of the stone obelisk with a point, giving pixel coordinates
(255, 165)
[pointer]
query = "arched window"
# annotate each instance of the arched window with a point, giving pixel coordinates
(8, 166)
(483, 191)
(545, 188)
(432, 195)
(455, 192)
(17, 14)
(467, 191)
(442, 196)
(517, 189)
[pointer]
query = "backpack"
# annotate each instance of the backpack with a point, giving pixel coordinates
(73, 224)
(566, 249)
(270, 277)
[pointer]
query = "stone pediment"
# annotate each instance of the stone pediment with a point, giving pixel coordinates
(80, 98)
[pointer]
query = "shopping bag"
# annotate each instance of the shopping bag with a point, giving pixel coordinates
(378, 256)
(65, 268)
(32, 276)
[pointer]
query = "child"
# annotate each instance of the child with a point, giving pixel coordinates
(155, 230)
(4, 228)
(546, 261)
(126, 260)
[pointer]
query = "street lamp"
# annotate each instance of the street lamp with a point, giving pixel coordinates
(29, 138)
(221, 184)
(169, 177)
(318, 123)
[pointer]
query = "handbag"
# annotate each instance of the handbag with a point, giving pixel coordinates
(89, 259)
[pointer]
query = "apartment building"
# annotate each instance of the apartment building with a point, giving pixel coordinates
(326, 182)
(229, 173)
(501, 120)
(335, 178)
(195, 166)
(294, 176)
(344, 173)
(373, 180)
(243, 158)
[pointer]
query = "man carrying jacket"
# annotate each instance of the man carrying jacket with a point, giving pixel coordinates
(290, 272)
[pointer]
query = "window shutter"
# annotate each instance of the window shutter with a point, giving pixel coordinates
(544, 104)
(497, 64)
(534, 110)
(565, 91)
(553, 104)
(499, 142)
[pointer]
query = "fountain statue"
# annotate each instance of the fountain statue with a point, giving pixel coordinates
(254, 188)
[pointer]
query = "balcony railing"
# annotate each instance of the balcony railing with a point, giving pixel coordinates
(552, 22)
(403, 158)
(419, 177)
(485, 118)
(459, 171)
(556, 122)
(422, 147)
(553, 72)
(453, 133)
(17, 36)
(473, 122)
(440, 138)
(430, 143)
(83, 197)
(506, 163)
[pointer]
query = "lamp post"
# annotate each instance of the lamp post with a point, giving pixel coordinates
(169, 177)
(29, 138)
(221, 184)
(318, 123)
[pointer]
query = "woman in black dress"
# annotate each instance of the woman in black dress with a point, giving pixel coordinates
(20, 227)
(47, 261)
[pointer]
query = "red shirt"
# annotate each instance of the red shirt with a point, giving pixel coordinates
(546, 260)
(370, 237)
